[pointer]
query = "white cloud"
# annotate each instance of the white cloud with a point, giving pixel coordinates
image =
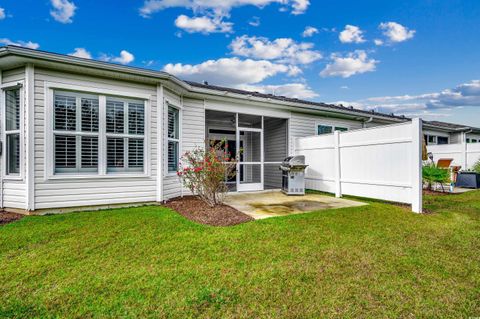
(309, 31)
(81, 53)
(2, 14)
(436, 104)
(300, 6)
(124, 58)
(292, 90)
(219, 7)
(203, 24)
(284, 50)
(396, 32)
(63, 10)
(351, 34)
(353, 63)
(378, 42)
(230, 71)
(25, 44)
(254, 22)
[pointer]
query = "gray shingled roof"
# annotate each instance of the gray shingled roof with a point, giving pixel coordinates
(294, 100)
(451, 126)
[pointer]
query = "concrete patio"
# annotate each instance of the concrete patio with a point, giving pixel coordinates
(266, 204)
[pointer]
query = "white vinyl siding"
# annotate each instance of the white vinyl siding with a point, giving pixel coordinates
(65, 191)
(192, 135)
(303, 125)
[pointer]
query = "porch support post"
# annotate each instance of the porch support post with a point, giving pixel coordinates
(160, 141)
(416, 169)
(29, 137)
(338, 184)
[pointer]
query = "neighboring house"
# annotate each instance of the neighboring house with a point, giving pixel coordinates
(83, 133)
(458, 142)
(441, 133)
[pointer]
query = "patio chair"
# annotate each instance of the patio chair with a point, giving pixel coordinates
(445, 163)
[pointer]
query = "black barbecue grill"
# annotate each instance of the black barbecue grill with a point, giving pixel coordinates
(293, 175)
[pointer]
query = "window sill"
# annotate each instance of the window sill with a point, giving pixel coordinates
(12, 178)
(107, 176)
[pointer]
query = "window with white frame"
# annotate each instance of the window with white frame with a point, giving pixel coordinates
(173, 136)
(328, 129)
(125, 126)
(76, 134)
(12, 131)
(81, 138)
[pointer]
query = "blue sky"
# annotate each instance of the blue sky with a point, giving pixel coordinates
(419, 58)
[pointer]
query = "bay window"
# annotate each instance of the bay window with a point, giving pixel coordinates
(173, 136)
(97, 134)
(12, 131)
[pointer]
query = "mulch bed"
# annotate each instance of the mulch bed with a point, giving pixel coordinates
(6, 218)
(198, 211)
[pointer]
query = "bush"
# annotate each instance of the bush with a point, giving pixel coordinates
(432, 174)
(204, 172)
(476, 167)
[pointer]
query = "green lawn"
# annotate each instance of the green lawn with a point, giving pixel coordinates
(373, 261)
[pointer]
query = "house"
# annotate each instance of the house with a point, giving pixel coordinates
(79, 133)
(458, 142)
(441, 133)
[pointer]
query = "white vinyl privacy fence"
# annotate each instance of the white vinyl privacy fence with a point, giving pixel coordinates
(463, 154)
(381, 162)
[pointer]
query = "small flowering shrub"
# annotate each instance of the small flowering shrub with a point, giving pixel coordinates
(204, 172)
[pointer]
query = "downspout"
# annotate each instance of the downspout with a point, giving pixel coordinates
(366, 122)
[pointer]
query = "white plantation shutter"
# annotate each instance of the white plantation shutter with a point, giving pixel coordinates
(12, 131)
(12, 110)
(136, 118)
(115, 117)
(115, 153)
(135, 153)
(173, 132)
(13, 154)
(65, 113)
(89, 155)
(89, 115)
(65, 153)
(173, 122)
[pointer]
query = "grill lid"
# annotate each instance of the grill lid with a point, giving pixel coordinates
(298, 160)
(293, 162)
